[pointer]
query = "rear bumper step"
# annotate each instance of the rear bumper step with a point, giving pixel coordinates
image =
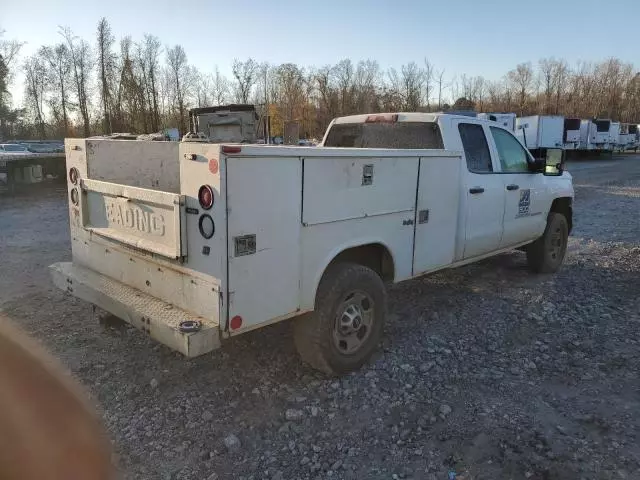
(159, 319)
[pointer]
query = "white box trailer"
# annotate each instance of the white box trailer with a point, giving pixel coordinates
(625, 139)
(601, 138)
(634, 132)
(571, 135)
(614, 136)
(587, 135)
(540, 131)
(507, 120)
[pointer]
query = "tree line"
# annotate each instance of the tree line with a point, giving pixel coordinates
(79, 87)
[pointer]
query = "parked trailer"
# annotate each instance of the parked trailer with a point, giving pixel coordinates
(602, 133)
(28, 168)
(588, 135)
(614, 135)
(539, 132)
(634, 131)
(507, 120)
(571, 135)
(626, 138)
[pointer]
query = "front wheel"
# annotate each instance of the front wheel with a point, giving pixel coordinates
(345, 328)
(547, 253)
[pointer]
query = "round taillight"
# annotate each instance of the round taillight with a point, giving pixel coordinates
(75, 197)
(205, 197)
(206, 226)
(236, 322)
(73, 175)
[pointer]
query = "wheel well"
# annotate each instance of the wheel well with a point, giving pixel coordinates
(565, 207)
(374, 255)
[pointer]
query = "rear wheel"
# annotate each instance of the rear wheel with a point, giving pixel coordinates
(347, 324)
(547, 253)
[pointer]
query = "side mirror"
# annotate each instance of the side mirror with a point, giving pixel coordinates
(554, 161)
(548, 161)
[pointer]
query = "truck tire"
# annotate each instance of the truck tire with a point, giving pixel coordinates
(345, 328)
(547, 253)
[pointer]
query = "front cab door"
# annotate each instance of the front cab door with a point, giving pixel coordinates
(482, 194)
(523, 214)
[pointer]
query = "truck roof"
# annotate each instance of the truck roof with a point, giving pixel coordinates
(405, 117)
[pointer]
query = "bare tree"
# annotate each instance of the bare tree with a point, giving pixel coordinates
(177, 63)
(245, 74)
(9, 50)
(106, 64)
(58, 76)
(148, 58)
(560, 76)
(219, 87)
(441, 87)
(547, 70)
(428, 82)
(413, 78)
(522, 78)
(343, 72)
(80, 54)
(35, 82)
(203, 88)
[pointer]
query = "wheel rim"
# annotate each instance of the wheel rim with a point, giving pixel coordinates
(353, 323)
(556, 244)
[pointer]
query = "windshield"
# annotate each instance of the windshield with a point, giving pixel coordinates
(411, 135)
(14, 148)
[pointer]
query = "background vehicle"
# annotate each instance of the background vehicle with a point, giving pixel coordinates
(217, 240)
(507, 120)
(571, 134)
(540, 131)
(13, 149)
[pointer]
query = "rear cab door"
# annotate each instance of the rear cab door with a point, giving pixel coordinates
(524, 190)
(482, 194)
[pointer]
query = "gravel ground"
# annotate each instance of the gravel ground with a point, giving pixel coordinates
(486, 370)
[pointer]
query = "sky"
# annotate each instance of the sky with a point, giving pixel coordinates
(488, 37)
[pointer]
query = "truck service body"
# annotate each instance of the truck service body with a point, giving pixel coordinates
(196, 242)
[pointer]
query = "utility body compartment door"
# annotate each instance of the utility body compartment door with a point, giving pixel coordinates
(437, 211)
(263, 214)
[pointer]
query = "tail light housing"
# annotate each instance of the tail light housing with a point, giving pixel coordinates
(205, 197)
(74, 175)
(75, 197)
(382, 118)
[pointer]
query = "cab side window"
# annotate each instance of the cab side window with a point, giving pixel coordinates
(476, 148)
(513, 157)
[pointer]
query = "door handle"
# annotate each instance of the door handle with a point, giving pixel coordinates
(475, 190)
(513, 187)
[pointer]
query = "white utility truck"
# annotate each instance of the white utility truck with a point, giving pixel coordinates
(196, 242)
(571, 135)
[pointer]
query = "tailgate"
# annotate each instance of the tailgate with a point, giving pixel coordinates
(146, 219)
